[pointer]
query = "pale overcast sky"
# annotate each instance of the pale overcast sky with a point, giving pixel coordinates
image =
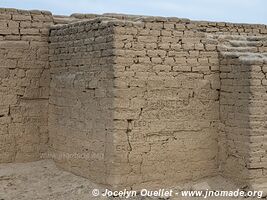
(247, 11)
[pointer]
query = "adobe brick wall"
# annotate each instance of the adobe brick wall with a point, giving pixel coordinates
(81, 98)
(169, 104)
(24, 84)
(134, 101)
(243, 108)
(169, 76)
(166, 103)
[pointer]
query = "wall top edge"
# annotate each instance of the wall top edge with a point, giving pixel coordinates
(102, 21)
(77, 17)
(24, 12)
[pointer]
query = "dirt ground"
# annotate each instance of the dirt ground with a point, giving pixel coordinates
(42, 180)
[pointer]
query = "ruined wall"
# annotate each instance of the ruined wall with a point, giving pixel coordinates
(24, 84)
(167, 83)
(81, 98)
(243, 108)
(134, 101)
(167, 78)
(167, 123)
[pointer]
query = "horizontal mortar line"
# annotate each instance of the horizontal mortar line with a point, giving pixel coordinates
(34, 99)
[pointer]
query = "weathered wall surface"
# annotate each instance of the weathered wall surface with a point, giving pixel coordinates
(134, 101)
(81, 98)
(167, 83)
(243, 108)
(167, 78)
(24, 84)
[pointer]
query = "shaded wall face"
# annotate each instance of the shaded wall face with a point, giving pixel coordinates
(24, 84)
(166, 104)
(234, 114)
(243, 109)
(258, 136)
(81, 99)
(243, 112)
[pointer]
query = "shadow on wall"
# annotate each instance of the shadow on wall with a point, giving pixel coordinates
(81, 99)
(243, 114)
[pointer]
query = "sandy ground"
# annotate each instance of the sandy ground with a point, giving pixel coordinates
(42, 180)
